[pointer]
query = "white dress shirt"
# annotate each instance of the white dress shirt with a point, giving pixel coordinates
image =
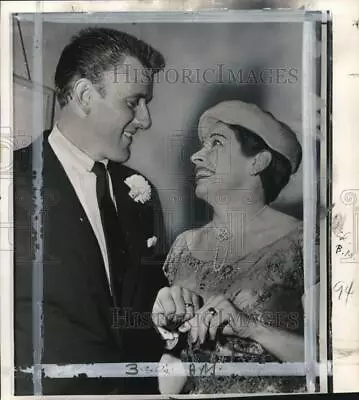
(78, 166)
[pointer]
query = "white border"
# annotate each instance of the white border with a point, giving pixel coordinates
(323, 256)
(309, 198)
(6, 118)
(6, 233)
(198, 16)
(121, 370)
(37, 217)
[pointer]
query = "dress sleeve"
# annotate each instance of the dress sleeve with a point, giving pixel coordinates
(173, 259)
(296, 260)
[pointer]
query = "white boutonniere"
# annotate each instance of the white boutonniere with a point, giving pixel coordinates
(140, 188)
(151, 241)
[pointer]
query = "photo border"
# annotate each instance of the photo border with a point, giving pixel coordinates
(7, 121)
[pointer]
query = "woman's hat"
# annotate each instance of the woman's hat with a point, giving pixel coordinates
(276, 134)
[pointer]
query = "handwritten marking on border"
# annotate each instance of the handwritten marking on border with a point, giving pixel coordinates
(344, 290)
(119, 370)
(347, 245)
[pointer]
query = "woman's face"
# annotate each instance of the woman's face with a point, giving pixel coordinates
(220, 167)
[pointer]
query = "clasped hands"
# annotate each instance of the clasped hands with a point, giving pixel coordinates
(178, 310)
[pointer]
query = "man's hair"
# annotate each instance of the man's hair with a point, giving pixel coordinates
(95, 50)
(275, 177)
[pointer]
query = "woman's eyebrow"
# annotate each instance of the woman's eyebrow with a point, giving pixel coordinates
(218, 134)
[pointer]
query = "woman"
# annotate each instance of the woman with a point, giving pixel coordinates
(246, 263)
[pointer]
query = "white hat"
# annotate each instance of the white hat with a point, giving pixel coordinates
(277, 135)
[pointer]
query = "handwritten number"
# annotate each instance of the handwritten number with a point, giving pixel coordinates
(133, 370)
(344, 290)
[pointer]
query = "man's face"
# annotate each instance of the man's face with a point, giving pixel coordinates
(117, 116)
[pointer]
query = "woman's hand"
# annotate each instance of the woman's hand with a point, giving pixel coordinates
(218, 312)
(173, 306)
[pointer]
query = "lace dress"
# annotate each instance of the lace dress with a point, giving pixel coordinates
(267, 285)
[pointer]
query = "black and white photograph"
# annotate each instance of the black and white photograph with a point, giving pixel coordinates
(170, 203)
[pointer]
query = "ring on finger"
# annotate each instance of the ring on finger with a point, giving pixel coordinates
(189, 309)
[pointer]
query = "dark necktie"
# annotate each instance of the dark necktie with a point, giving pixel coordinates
(111, 229)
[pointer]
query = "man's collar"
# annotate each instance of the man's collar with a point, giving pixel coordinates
(83, 160)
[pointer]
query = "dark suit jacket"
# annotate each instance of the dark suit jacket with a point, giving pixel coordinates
(78, 315)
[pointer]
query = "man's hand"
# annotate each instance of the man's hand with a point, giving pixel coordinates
(173, 306)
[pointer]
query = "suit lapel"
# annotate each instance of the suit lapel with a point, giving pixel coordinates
(72, 211)
(131, 221)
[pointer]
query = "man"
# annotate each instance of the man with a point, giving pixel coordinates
(97, 225)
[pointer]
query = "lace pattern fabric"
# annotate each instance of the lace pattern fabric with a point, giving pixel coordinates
(267, 285)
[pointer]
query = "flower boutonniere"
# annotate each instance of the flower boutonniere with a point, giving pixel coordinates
(152, 241)
(140, 190)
